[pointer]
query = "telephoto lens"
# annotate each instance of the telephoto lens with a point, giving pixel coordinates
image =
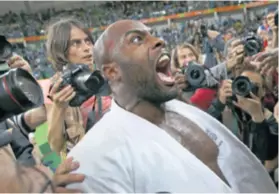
(19, 92)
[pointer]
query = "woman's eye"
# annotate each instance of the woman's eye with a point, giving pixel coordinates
(136, 39)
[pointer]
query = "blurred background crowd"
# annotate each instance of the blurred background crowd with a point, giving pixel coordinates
(19, 25)
(195, 32)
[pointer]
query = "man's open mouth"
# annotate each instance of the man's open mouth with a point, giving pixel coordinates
(163, 69)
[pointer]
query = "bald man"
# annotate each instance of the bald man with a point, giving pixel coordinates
(149, 142)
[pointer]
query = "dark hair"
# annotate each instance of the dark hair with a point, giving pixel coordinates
(58, 36)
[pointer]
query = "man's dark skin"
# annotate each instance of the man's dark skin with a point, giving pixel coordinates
(128, 56)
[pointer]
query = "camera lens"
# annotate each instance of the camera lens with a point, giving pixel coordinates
(241, 86)
(19, 92)
(28, 87)
(195, 74)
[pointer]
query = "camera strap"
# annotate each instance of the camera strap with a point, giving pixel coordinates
(98, 103)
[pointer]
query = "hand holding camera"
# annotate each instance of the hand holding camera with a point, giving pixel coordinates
(271, 22)
(61, 96)
(17, 61)
(75, 85)
(235, 54)
(276, 112)
(180, 81)
(225, 91)
(252, 106)
(244, 97)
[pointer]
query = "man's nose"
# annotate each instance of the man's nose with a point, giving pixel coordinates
(158, 44)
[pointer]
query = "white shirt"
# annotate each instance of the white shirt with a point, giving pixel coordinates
(125, 153)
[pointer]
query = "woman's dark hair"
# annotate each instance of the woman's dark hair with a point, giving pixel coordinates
(58, 40)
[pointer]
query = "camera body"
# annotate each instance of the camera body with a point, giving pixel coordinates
(252, 45)
(85, 83)
(194, 73)
(242, 86)
(276, 17)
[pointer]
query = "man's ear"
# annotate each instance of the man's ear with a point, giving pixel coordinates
(112, 71)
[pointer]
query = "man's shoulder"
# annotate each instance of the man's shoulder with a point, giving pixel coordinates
(106, 134)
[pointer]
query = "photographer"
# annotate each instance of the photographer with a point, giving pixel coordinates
(68, 42)
(203, 97)
(21, 124)
(181, 56)
(211, 44)
(247, 118)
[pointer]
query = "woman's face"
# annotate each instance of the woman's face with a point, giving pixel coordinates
(185, 54)
(81, 48)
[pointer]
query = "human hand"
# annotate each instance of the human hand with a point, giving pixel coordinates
(62, 176)
(180, 80)
(276, 112)
(265, 61)
(225, 91)
(17, 61)
(64, 96)
(271, 22)
(235, 54)
(252, 106)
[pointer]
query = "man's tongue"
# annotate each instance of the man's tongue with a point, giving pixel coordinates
(168, 80)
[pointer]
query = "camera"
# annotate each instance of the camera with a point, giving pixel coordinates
(243, 87)
(276, 18)
(6, 51)
(252, 45)
(85, 83)
(19, 92)
(194, 73)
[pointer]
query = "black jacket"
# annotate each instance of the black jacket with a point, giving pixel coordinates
(20, 144)
(261, 138)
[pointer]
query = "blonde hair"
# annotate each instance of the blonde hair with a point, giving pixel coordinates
(174, 57)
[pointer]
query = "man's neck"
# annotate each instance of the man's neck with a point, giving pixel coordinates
(154, 113)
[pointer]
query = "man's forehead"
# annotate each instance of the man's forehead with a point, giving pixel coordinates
(119, 29)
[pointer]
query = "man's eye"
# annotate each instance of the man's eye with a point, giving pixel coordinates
(136, 39)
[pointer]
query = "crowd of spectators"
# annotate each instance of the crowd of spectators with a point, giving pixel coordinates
(14, 25)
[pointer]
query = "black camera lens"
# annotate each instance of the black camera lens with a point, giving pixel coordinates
(252, 45)
(195, 74)
(19, 92)
(241, 86)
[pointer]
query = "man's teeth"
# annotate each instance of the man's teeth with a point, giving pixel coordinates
(164, 57)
